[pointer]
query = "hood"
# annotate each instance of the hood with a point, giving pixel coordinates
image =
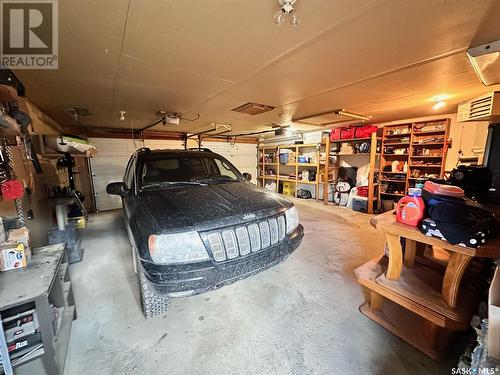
(192, 207)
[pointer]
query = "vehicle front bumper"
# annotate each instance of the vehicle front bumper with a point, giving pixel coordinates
(194, 278)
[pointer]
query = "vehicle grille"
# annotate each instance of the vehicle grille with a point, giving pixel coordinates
(242, 240)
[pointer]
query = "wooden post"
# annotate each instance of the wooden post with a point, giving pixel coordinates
(327, 171)
(410, 250)
(296, 169)
(371, 174)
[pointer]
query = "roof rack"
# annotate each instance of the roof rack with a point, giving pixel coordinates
(144, 149)
(199, 149)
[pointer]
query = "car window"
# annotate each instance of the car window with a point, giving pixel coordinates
(184, 168)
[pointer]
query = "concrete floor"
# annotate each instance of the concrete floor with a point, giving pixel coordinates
(300, 317)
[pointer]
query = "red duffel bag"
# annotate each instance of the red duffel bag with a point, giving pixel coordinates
(362, 191)
(347, 133)
(364, 131)
(335, 134)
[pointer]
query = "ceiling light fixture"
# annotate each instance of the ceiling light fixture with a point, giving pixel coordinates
(438, 105)
(286, 10)
(78, 111)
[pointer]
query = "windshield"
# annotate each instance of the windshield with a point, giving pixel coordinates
(177, 169)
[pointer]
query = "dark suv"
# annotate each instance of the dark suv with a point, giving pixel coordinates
(196, 223)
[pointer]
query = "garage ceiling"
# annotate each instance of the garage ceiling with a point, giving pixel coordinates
(386, 59)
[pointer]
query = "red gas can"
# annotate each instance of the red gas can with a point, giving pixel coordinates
(411, 208)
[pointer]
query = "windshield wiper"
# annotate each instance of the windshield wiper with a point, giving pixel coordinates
(172, 183)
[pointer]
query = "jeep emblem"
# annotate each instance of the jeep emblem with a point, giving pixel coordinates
(249, 216)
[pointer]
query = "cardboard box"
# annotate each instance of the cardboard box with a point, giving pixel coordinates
(21, 235)
(12, 256)
(494, 317)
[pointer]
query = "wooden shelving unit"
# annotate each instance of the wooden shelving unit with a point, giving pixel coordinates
(395, 137)
(429, 146)
(269, 160)
(422, 153)
(330, 167)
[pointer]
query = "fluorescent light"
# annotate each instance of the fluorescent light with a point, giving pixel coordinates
(352, 115)
(439, 104)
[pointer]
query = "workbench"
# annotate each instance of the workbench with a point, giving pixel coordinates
(421, 299)
(46, 284)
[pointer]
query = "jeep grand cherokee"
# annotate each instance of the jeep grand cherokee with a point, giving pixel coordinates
(196, 223)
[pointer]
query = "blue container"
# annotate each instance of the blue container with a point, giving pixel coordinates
(303, 159)
(360, 205)
(284, 158)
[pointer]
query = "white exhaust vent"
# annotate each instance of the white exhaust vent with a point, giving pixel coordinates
(484, 108)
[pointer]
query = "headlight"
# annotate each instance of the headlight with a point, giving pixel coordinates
(292, 219)
(177, 248)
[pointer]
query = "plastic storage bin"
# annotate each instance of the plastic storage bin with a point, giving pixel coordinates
(360, 204)
(68, 235)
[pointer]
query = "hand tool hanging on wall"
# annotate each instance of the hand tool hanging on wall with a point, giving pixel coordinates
(8, 126)
(4, 165)
(13, 187)
(29, 211)
(24, 120)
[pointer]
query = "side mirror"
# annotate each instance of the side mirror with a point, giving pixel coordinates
(117, 188)
(247, 176)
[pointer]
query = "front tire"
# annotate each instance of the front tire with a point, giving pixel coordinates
(153, 302)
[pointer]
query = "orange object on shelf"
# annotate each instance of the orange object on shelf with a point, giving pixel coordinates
(410, 209)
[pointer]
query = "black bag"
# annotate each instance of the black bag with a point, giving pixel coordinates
(459, 219)
(304, 194)
(312, 175)
(475, 180)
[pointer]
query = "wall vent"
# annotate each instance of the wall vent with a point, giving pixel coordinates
(484, 108)
(253, 108)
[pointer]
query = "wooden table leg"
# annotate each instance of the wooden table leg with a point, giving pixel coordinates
(376, 301)
(420, 249)
(395, 257)
(430, 332)
(453, 276)
(410, 251)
